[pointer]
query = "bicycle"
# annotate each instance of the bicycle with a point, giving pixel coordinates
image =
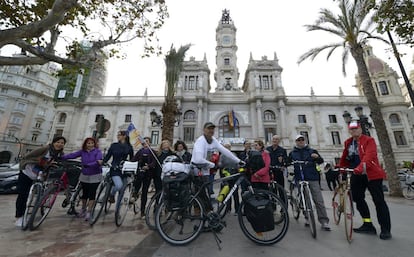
(342, 201)
(180, 224)
(408, 189)
(300, 198)
(156, 199)
(124, 201)
(74, 199)
(278, 189)
(102, 197)
(46, 194)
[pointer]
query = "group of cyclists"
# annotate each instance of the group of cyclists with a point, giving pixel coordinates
(265, 164)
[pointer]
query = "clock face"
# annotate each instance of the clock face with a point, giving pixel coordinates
(226, 40)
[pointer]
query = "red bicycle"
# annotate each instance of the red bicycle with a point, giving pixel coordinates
(46, 197)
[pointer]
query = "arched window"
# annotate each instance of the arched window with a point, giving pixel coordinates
(189, 116)
(395, 119)
(269, 116)
(62, 118)
(228, 129)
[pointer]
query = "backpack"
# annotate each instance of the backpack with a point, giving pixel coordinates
(255, 161)
(259, 210)
(177, 190)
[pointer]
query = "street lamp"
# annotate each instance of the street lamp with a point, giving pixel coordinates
(157, 119)
(363, 119)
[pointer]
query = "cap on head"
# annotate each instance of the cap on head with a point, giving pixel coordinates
(354, 124)
(299, 136)
(209, 125)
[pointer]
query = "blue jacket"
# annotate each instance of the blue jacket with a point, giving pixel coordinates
(309, 169)
(90, 166)
(119, 152)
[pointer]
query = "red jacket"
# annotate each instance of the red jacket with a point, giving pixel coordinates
(263, 174)
(367, 149)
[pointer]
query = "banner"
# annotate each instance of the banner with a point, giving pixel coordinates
(134, 136)
(232, 119)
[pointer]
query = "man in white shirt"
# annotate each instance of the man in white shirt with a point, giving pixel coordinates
(204, 147)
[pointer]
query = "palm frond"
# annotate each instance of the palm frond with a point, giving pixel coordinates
(312, 53)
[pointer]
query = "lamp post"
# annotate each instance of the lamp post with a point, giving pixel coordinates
(157, 119)
(363, 119)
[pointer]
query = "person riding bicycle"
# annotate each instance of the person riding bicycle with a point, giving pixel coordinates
(204, 147)
(302, 152)
(119, 151)
(30, 166)
(278, 157)
(360, 153)
(91, 173)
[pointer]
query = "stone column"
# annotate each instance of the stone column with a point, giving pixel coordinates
(259, 111)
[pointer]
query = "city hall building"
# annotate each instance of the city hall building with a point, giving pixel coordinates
(256, 108)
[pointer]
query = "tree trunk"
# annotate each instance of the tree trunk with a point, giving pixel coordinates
(169, 108)
(378, 119)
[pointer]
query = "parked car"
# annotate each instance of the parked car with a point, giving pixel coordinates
(8, 179)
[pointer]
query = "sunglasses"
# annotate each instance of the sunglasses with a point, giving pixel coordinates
(300, 139)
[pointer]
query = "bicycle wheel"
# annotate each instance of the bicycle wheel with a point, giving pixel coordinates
(294, 201)
(151, 209)
(348, 215)
(75, 200)
(280, 216)
(309, 211)
(42, 208)
(336, 206)
(34, 197)
(100, 202)
(123, 204)
(180, 227)
(408, 192)
(280, 191)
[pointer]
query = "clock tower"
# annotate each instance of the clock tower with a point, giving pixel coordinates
(226, 74)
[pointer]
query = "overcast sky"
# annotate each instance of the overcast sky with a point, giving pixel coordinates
(263, 27)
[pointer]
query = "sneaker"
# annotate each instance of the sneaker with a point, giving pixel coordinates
(19, 222)
(385, 235)
(81, 214)
(366, 228)
(306, 223)
(87, 216)
(111, 199)
(326, 227)
(142, 216)
(72, 211)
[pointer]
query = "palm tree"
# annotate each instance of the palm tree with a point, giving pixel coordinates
(173, 62)
(352, 26)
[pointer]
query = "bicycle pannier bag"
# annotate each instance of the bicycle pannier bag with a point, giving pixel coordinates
(176, 190)
(259, 212)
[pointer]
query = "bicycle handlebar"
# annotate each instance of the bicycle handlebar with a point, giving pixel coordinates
(344, 170)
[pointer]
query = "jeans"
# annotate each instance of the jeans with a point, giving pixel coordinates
(118, 183)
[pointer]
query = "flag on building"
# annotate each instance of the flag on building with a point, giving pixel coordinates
(232, 119)
(134, 136)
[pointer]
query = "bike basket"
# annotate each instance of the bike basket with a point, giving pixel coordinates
(176, 190)
(73, 176)
(129, 167)
(259, 212)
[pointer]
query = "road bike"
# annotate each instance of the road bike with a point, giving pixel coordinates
(342, 201)
(181, 224)
(300, 198)
(43, 194)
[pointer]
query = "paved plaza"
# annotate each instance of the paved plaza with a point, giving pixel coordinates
(63, 235)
